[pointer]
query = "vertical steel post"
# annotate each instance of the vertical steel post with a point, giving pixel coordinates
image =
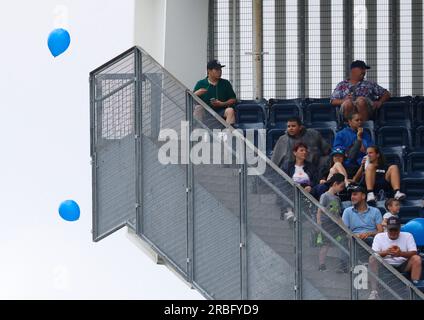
(93, 134)
(352, 264)
(348, 34)
(257, 50)
(411, 294)
(98, 110)
(212, 30)
(326, 44)
(371, 42)
(280, 49)
(234, 24)
(302, 21)
(394, 8)
(417, 47)
(298, 244)
(138, 140)
(243, 225)
(190, 192)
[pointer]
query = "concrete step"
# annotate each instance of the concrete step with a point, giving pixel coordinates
(330, 294)
(274, 234)
(215, 170)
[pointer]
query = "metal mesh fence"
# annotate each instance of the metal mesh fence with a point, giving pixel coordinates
(217, 231)
(270, 241)
(323, 244)
(164, 196)
(232, 234)
(351, 269)
(309, 44)
(379, 278)
(113, 145)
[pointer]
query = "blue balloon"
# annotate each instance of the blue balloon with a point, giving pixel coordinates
(416, 227)
(69, 210)
(58, 42)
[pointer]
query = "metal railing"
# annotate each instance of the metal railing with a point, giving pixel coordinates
(310, 44)
(217, 225)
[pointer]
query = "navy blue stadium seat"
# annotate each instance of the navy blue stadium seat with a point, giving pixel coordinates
(280, 113)
(410, 209)
(395, 155)
(393, 136)
(249, 113)
(308, 101)
(419, 113)
(319, 112)
(261, 102)
(328, 134)
(413, 186)
(420, 285)
(415, 162)
(369, 127)
(299, 102)
(419, 137)
(407, 99)
(253, 128)
(380, 206)
(272, 137)
(395, 113)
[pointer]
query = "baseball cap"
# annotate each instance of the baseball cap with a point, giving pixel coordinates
(337, 151)
(359, 64)
(214, 64)
(393, 223)
(353, 188)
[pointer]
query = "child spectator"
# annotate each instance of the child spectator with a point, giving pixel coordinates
(332, 203)
(392, 206)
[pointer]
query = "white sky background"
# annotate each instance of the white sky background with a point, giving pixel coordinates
(44, 125)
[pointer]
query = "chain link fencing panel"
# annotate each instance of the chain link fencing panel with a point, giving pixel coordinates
(163, 220)
(329, 242)
(270, 237)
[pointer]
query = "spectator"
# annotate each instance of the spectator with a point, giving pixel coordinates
(301, 171)
(216, 92)
(318, 148)
(380, 176)
(364, 221)
(332, 203)
(354, 142)
(398, 249)
(393, 207)
(357, 94)
(336, 165)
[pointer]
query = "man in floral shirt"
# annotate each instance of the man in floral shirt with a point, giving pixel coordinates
(358, 94)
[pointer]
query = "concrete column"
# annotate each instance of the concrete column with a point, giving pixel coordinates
(149, 25)
(175, 33)
(257, 48)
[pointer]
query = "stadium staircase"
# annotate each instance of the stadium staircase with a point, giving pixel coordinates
(220, 229)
